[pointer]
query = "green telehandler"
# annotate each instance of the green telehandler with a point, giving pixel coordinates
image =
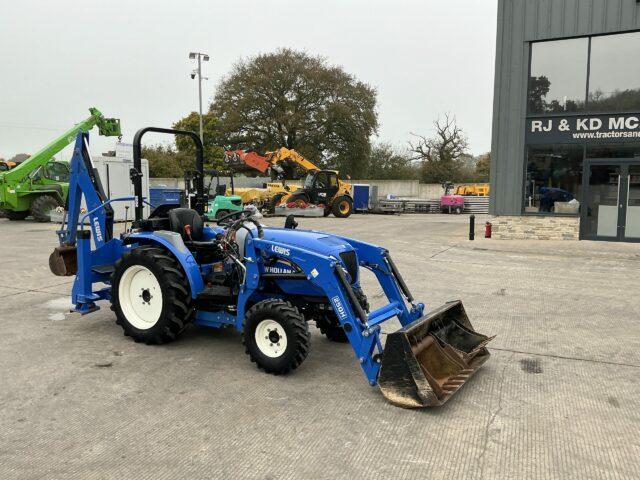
(40, 184)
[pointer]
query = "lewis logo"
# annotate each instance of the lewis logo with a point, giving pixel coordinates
(280, 250)
(98, 230)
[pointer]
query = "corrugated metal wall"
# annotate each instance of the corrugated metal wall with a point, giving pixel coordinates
(519, 22)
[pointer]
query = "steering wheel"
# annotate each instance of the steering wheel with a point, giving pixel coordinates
(243, 216)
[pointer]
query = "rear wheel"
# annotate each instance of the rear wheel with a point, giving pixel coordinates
(11, 215)
(276, 336)
(458, 210)
(42, 206)
(342, 207)
(150, 295)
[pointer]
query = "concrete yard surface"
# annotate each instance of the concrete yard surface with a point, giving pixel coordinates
(559, 399)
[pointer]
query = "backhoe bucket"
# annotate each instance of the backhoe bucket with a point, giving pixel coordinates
(426, 362)
(63, 262)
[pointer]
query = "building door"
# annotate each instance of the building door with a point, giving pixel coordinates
(611, 200)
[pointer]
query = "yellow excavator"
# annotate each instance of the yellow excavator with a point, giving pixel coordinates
(319, 186)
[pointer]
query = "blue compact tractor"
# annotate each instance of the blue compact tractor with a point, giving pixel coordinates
(170, 269)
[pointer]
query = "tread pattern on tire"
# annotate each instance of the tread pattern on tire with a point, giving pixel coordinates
(336, 207)
(15, 216)
(176, 295)
(301, 336)
(329, 325)
(331, 329)
(39, 207)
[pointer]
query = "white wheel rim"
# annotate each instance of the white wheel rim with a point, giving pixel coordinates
(271, 338)
(140, 297)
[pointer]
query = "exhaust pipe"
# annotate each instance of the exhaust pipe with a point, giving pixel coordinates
(426, 362)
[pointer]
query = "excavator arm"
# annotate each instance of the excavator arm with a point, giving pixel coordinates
(284, 154)
(273, 160)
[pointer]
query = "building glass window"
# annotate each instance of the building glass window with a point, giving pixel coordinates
(614, 80)
(614, 151)
(558, 78)
(553, 179)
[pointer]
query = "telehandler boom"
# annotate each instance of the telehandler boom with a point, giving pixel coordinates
(39, 184)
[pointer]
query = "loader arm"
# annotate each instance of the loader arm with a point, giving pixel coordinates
(326, 274)
(242, 160)
(422, 364)
(289, 155)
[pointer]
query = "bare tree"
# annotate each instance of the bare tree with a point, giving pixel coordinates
(440, 155)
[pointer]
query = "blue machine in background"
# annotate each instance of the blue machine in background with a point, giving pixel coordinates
(360, 193)
(165, 196)
(170, 270)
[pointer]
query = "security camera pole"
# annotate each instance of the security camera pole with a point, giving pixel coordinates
(202, 57)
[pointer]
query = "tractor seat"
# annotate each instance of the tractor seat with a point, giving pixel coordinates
(181, 217)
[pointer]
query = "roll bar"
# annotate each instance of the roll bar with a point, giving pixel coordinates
(136, 172)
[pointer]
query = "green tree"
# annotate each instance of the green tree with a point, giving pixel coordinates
(386, 162)
(538, 89)
(292, 99)
(442, 156)
(483, 167)
(166, 162)
(19, 157)
(213, 151)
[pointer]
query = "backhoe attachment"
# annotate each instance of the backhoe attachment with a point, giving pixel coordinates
(63, 261)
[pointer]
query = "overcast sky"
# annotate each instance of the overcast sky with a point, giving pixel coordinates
(130, 59)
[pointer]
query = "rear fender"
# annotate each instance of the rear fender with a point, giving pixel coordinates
(172, 242)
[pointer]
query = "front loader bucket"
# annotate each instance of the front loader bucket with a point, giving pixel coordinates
(426, 362)
(64, 261)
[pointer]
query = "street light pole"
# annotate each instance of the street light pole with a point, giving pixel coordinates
(202, 57)
(200, 95)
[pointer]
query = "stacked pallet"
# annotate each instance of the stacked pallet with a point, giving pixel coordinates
(476, 204)
(472, 204)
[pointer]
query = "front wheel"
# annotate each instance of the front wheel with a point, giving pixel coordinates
(14, 216)
(342, 207)
(150, 295)
(330, 327)
(458, 210)
(42, 206)
(276, 336)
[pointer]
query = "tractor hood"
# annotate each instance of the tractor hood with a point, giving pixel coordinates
(319, 242)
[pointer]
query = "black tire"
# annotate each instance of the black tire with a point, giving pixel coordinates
(458, 210)
(295, 327)
(331, 328)
(15, 216)
(221, 213)
(42, 206)
(274, 201)
(327, 211)
(176, 310)
(342, 207)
